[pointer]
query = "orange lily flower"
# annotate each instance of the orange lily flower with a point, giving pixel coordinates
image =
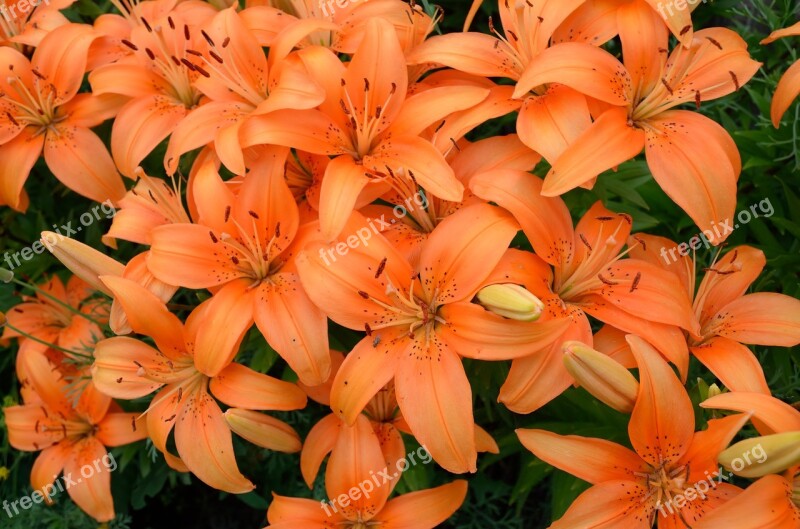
(42, 112)
(789, 85)
(126, 368)
(728, 317)
(241, 82)
(65, 316)
(62, 324)
(387, 422)
(70, 440)
(370, 126)
(714, 65)
(588, 277)
(20, 28)
(551, 78)
(773, 501)
(633, 488)
(158, 78)
(420, 321)
(245, 244)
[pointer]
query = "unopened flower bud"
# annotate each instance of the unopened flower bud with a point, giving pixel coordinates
(6, 275)
(602, 376)
(511, 301)
(82, 260)
(761, 456)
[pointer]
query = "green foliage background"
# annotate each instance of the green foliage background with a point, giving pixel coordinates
(512, 490)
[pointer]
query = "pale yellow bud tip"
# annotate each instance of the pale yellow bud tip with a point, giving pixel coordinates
(761, 456)
(511, 301)
(602, 376)
(6, 275)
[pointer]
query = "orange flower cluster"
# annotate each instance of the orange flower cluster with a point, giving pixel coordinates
(331, 179)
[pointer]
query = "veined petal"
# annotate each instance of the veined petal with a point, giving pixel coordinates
(716, 64)
(648, 292)
(683, 168)
(140, 126)
(24, 149)
(80, 160)
(592, 460)
(763, 318)
(535, 380)
(608, 505)
(424, 509)
(187, 255)
(306, 130)
(463, 249)
(48, 465)
(318, 444)
(475, 53)
(662, 422)
(733, 364)
(679, 21)
(643, 36)
(343, 182)
(787, 91)
(118, 429)
(770, 414)
(608, 142)
(546, 221)
(740, 267)
(231, 308)
(421, 161)
(764, 504)
(205, 444)
(148, 315)
(436, 401)
(92, 494)
(782, 33)
(550, 123)
(496, 152)
(287, 513)
(61, 58)
(425, 108)
(474, 332)
(200, 127)
(160, 420)
(127, 79)
(355, 458)
(239, 386)
(294, 327)
(583, 67)
(365, 371)
(706, 446)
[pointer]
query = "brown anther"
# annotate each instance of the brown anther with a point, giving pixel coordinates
(215, 56)
(585, 242)
(714, 42)
(381, 267)
(202, 72)
(208, 39)
(130, 44)
(253, 214)
(636, 280)
(698, 98)
(277, 229)
(226, 42)
(119, 380)
(150, 54)
(685, 30)
(667, 86)
(146, 24)
(186, 33)
(133, 423)
(213, 237)
(368, 329)
(363, 294)
(171, 22)
(735, 80)
(606, 281)
(227, 213)
(234, 260)
(187, 64)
